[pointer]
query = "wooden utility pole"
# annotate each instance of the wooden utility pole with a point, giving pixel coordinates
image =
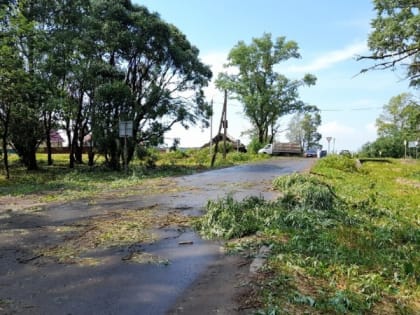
(223, 123)
(211, 127)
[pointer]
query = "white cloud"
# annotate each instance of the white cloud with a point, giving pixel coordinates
(215, 60)
(334, 128)
(346, 137)
(331, 58)
(371, 128)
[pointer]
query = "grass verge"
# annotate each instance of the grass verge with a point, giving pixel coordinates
(344, 239)
(59, 183)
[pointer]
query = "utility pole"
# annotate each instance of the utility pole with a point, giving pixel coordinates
(211, 127)
(223, 123)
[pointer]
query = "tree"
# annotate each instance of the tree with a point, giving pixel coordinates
(162, 73)
(265, 94)
(303, 129)
(13, 79)
(384, 147)
(22, 35)
(395, 39)
(400, 118)
(399, 122)
(75, 55)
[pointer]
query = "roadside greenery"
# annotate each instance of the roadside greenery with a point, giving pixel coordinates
(58, 182)
(398, 125)
(266, 94)
(344, 239)
(87, 66)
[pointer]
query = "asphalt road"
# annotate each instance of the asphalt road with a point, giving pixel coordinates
(32, 285)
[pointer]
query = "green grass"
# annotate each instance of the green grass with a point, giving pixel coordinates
(59, 183)
(344, 239)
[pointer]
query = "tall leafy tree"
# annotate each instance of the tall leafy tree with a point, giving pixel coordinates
(72, 60)
(303, 129)
(399, 122)
(13, 78)
(25, 128)
(400, 118)
(265, 93)
(161, 69)
(395, 39)
(91, 64)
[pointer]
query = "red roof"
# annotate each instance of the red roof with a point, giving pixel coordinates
(55, 137)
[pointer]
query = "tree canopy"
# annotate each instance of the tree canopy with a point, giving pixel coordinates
(401, 116)
(89, 65)
(303, 129)
(395, 39)
(398, 124)
(266, 94)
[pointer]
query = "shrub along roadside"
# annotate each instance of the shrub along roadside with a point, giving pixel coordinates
(342, 240)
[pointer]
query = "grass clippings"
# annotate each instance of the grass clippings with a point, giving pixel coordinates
(343, 239)
(82, 241)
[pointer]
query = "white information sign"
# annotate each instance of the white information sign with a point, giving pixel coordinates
(126, 128)
(413, 144)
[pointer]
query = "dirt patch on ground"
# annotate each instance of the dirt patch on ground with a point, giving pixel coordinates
(409, 182)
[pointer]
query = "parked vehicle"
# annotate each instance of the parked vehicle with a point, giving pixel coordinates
(281, 148)
(345, 153)
(310, 153)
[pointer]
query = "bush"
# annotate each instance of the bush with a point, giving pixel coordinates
(255, 145)
(227, 218)
(338, 162)
(148, 156)
(305, 191)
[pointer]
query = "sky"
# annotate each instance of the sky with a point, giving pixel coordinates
(330, 34)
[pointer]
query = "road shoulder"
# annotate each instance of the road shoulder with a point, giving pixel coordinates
(219, 290)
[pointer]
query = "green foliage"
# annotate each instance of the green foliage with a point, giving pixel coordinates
(227, 218)
(398, 123)
(91, 66)
(344, 240)
(255, 145)
(303, 129)
(147, 156)
(305, 191)
(337, 162)
(392, 147)
(395, 38)
(266, 94)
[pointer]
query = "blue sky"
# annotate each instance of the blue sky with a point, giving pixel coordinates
(330, 33)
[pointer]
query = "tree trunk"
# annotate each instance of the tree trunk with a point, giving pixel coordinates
(71, 155)
(91, 156)
(31, 163)
(49, 150)
(261, 135)
(5, 154)
(78, 154)
(47, 127)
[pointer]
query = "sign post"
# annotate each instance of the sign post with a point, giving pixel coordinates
(126, 130)
(329, 140)
(413, 145)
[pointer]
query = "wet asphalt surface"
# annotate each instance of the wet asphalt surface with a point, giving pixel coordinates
(32, 285)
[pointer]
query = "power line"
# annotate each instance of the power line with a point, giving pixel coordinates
(348, 109)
